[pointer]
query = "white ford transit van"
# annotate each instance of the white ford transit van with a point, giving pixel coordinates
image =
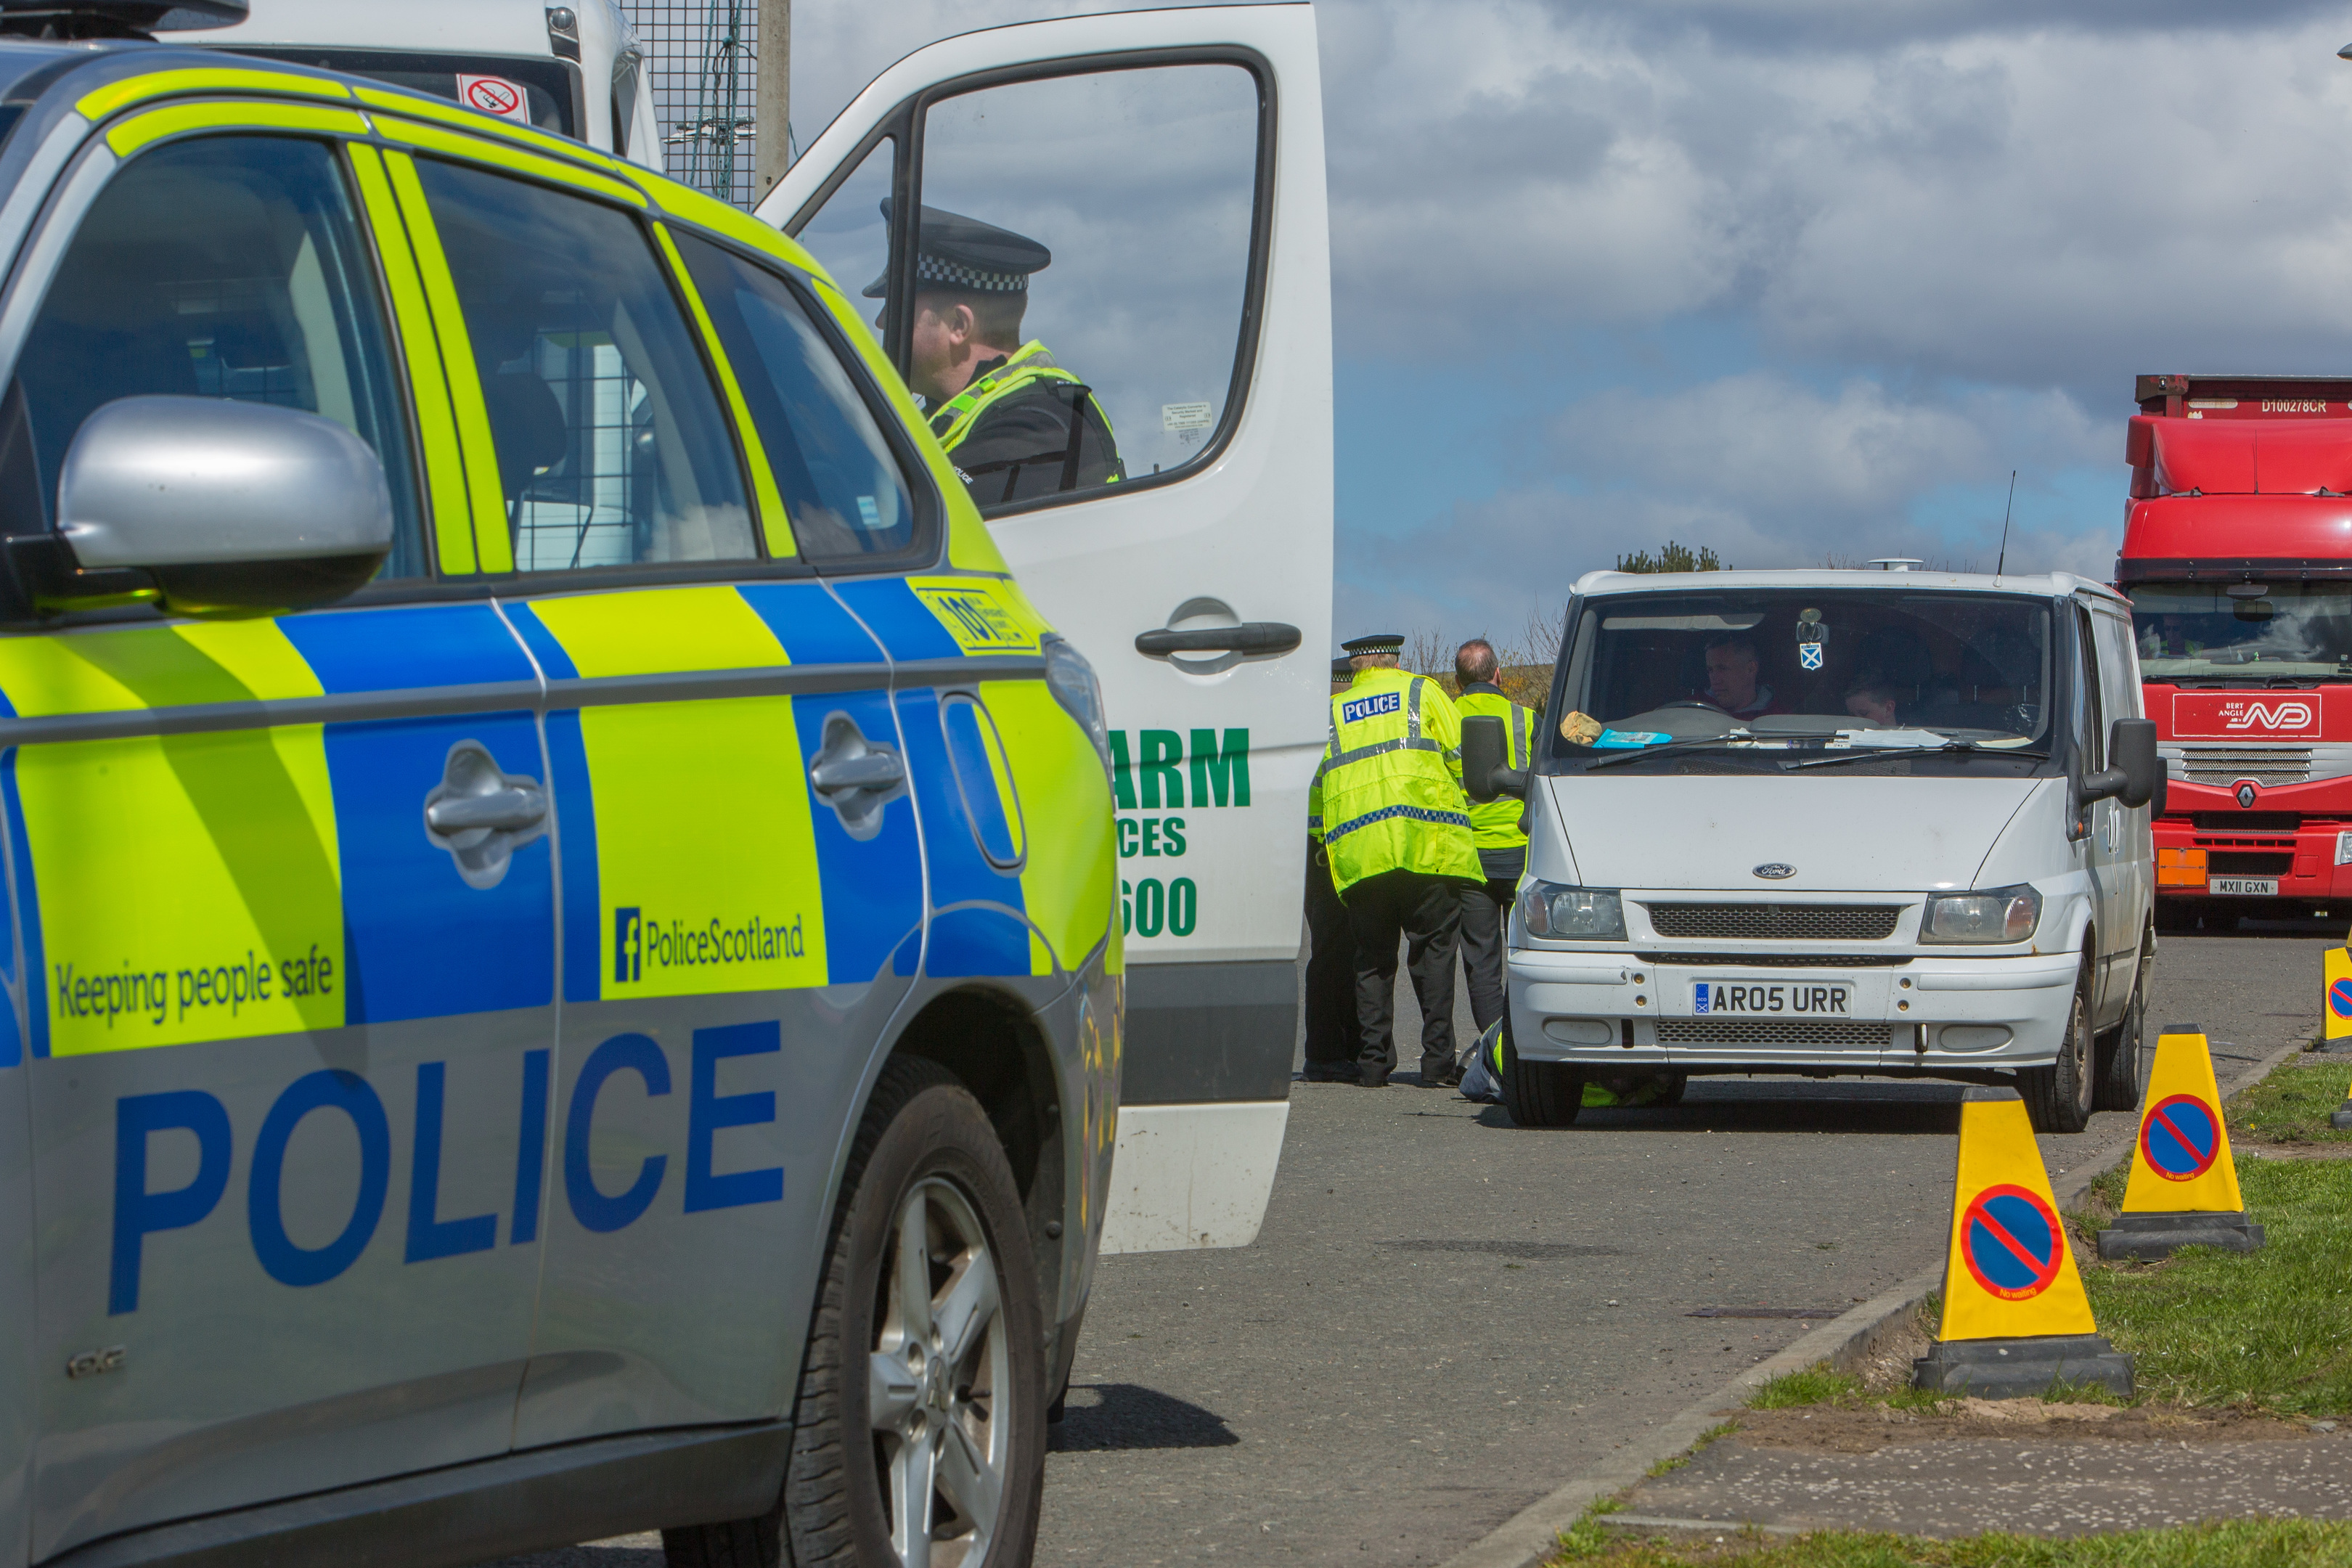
(1834, 822)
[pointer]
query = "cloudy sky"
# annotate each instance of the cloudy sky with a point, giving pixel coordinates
(1793, 278)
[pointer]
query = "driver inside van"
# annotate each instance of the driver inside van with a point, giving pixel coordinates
(1731, 670)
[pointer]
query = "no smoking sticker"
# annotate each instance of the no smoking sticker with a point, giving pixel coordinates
(2009, 1240)
(494, 95)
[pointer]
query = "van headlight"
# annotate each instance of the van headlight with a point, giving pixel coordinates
(1072, 680)
(2004, 914)
(1549, 909)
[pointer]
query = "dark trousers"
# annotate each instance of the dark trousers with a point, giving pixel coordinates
(1330, 972)
(1426, 911)
(1485, 917)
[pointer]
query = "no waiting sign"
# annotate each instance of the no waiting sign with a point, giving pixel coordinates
(494, 95)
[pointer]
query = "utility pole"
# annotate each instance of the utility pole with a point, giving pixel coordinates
(772, 102)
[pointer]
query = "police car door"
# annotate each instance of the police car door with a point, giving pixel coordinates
(1147, 188)
(282, 884)
(736, 930)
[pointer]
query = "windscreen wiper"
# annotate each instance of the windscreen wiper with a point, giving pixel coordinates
(1687, 741)
(1883, 753)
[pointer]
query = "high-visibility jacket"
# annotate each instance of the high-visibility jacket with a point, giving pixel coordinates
(1387, 796)
(1083, 442)
(1497, 823)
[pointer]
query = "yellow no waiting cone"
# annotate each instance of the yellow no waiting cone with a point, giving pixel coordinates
(2184, 1185)
(2015, 1317)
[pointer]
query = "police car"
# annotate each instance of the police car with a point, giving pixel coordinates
(564, 963)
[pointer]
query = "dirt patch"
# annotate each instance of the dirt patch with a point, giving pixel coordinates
(2290, 1151)
(1865, 1428)
(1889, 1367)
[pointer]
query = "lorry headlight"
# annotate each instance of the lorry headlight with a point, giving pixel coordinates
(1072, 680)
(2004, 914)
(1551, 910)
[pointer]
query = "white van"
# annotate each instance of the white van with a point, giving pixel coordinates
(575, 70)
(1835, 822)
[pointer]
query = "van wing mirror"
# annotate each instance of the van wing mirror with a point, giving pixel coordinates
(227, 508)
(1486, 753)
(2131, 746)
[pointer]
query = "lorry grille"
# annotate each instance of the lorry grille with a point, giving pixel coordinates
(1781, 959)
(2221, 863)
(1772, 1032)
(2246, 821)
(1775, 922)
(2222, 766)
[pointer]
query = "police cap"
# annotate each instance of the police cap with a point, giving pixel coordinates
(1378, 642)
(953, 251)
(1343, 669)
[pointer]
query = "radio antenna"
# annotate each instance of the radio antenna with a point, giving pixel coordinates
(2006, 512)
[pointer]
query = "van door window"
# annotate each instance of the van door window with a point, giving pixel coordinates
(2090, 723)
(225, 266)
(842, 485)
(847, 235)
(1081, 266)
(612, 446)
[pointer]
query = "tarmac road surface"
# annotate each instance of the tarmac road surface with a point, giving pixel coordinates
(1447, 1316)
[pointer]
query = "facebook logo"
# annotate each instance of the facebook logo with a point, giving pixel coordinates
(628, 946)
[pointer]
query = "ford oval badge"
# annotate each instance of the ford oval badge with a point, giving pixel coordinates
(1772, 870)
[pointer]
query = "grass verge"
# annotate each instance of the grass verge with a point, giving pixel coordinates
(2248, 1543)
(2291, 1105)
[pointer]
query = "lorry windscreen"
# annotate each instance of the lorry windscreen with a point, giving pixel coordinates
(2242, 634)
(1764, 672)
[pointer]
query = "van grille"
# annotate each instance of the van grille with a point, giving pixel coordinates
(2221, 766)
(1780, 960)
(1775, 922)
(1772, 1032)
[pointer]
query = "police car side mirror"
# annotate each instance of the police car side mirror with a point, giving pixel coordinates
(1486, 748)
(227, 508)
(2131, 747)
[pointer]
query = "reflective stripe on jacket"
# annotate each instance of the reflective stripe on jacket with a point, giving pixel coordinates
(1028, 364)
(1497, 823)
(1387, 796)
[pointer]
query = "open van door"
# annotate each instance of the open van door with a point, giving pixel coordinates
(1129, 210)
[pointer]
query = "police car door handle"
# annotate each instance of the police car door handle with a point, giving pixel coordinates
(505, 810)
(1250, 636)
(871, 770)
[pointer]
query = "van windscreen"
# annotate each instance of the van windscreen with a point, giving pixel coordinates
(1808, 669)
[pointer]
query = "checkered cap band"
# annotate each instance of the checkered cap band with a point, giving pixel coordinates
(929, 268)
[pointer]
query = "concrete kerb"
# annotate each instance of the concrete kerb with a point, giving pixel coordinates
(1531, 1535)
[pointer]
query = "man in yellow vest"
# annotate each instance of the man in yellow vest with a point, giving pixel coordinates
(1332, 1034)
(1396, 829)
(1502, 848)
(1015, 424)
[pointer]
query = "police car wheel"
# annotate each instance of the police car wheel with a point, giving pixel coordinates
(2058, 1097)
(920, 1431)
(1540, 1094)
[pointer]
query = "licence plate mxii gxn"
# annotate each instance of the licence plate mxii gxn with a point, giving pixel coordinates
(1808, 998)
(2243, 886)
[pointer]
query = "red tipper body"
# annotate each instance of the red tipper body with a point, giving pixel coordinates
(2238, 557)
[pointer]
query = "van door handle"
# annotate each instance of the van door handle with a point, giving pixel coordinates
(1250, 636)
(505, 811)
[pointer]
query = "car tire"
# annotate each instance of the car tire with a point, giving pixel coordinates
(2124, 1051)
(1671, 1086)
(962, 1378)
(2058, 1097)
(1540, 1094)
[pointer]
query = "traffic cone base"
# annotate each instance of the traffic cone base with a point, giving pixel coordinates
(2016, 1318)
(2150, 1236)
(2018, 1369)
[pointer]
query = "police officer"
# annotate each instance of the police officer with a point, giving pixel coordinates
(1331, 1035)
(1502, 848)
(1396, 829)
(1015, 424)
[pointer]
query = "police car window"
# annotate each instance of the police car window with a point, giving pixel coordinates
(1082, 257)
(612, 446)
(840, 481)
(226, 266)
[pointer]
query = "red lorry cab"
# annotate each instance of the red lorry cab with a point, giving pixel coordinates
(2237, 556)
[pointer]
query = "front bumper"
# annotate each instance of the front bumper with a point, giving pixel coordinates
(2313, 861)
(1618, 1010)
